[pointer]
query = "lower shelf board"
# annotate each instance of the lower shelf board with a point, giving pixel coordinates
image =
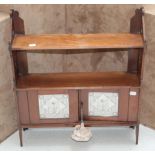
(87, 123)
(77, 80)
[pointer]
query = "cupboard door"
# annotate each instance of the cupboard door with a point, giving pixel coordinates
(105, 104)
(133, 104)
(23, 107)
(54, 106)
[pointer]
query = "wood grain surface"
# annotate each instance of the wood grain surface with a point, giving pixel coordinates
(77, 41)
(77, 80)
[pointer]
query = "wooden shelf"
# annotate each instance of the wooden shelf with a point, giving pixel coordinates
(76, 80)
(77, 41)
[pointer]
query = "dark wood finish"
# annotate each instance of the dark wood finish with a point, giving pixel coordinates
(136, 27)
(77, 85)
(133, 105)
(139, 64)
(133, 55)
(34, 106)
(17, 23)
(122, 107)
(77, 41)
(21, 63)
(76, 80)
(19, 59)
(142, 56)
(23, 107)
(20, 67)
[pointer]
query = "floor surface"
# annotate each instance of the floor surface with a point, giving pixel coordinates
(104, 138)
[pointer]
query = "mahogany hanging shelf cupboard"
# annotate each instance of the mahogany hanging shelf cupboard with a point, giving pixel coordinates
(54, 99)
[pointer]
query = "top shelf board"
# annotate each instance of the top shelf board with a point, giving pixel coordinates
(77, 41)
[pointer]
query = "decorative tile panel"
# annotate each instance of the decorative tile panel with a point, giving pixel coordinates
(54, 106)
(103, 104)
